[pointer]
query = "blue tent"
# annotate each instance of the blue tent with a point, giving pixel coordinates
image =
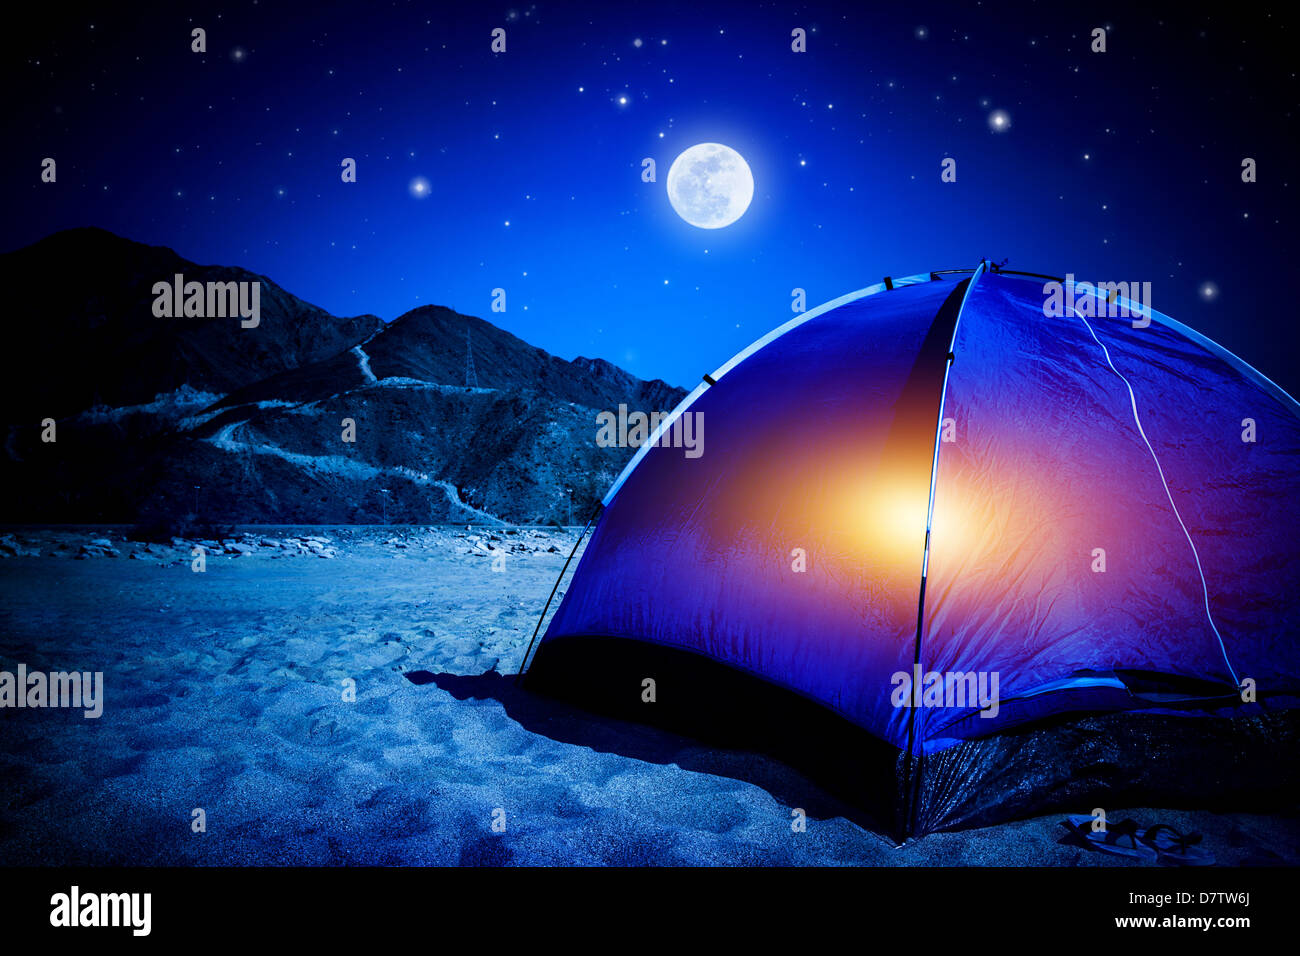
(957, 511)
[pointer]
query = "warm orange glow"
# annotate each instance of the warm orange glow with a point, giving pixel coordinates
(888, 516)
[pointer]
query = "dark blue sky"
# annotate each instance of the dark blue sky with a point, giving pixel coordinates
(1116, 166)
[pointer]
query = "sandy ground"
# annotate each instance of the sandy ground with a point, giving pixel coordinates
(225, 692)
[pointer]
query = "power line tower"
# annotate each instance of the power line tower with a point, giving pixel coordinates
(471, 378)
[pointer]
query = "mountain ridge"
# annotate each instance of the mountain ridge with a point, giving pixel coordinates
(306, 418)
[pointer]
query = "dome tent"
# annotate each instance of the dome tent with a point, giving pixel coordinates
(977, 558)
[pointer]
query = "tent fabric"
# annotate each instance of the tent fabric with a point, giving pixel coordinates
(821, 441)
(1047, 467)
(1102, 537)
(1237, 499)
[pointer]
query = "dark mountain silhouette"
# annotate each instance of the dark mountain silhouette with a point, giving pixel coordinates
(308, 418)
(81, 306)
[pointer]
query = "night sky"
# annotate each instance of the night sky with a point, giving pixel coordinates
(1120, 166)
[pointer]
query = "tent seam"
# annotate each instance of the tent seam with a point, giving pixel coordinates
(1137, 420)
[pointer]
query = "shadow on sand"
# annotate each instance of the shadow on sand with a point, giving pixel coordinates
(564, 722)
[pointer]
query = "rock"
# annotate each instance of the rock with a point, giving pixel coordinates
(93, 550)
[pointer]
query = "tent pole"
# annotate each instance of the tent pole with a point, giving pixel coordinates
(595, 511)
(911, 763)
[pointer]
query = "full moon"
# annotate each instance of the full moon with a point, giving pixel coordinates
(710, 185)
